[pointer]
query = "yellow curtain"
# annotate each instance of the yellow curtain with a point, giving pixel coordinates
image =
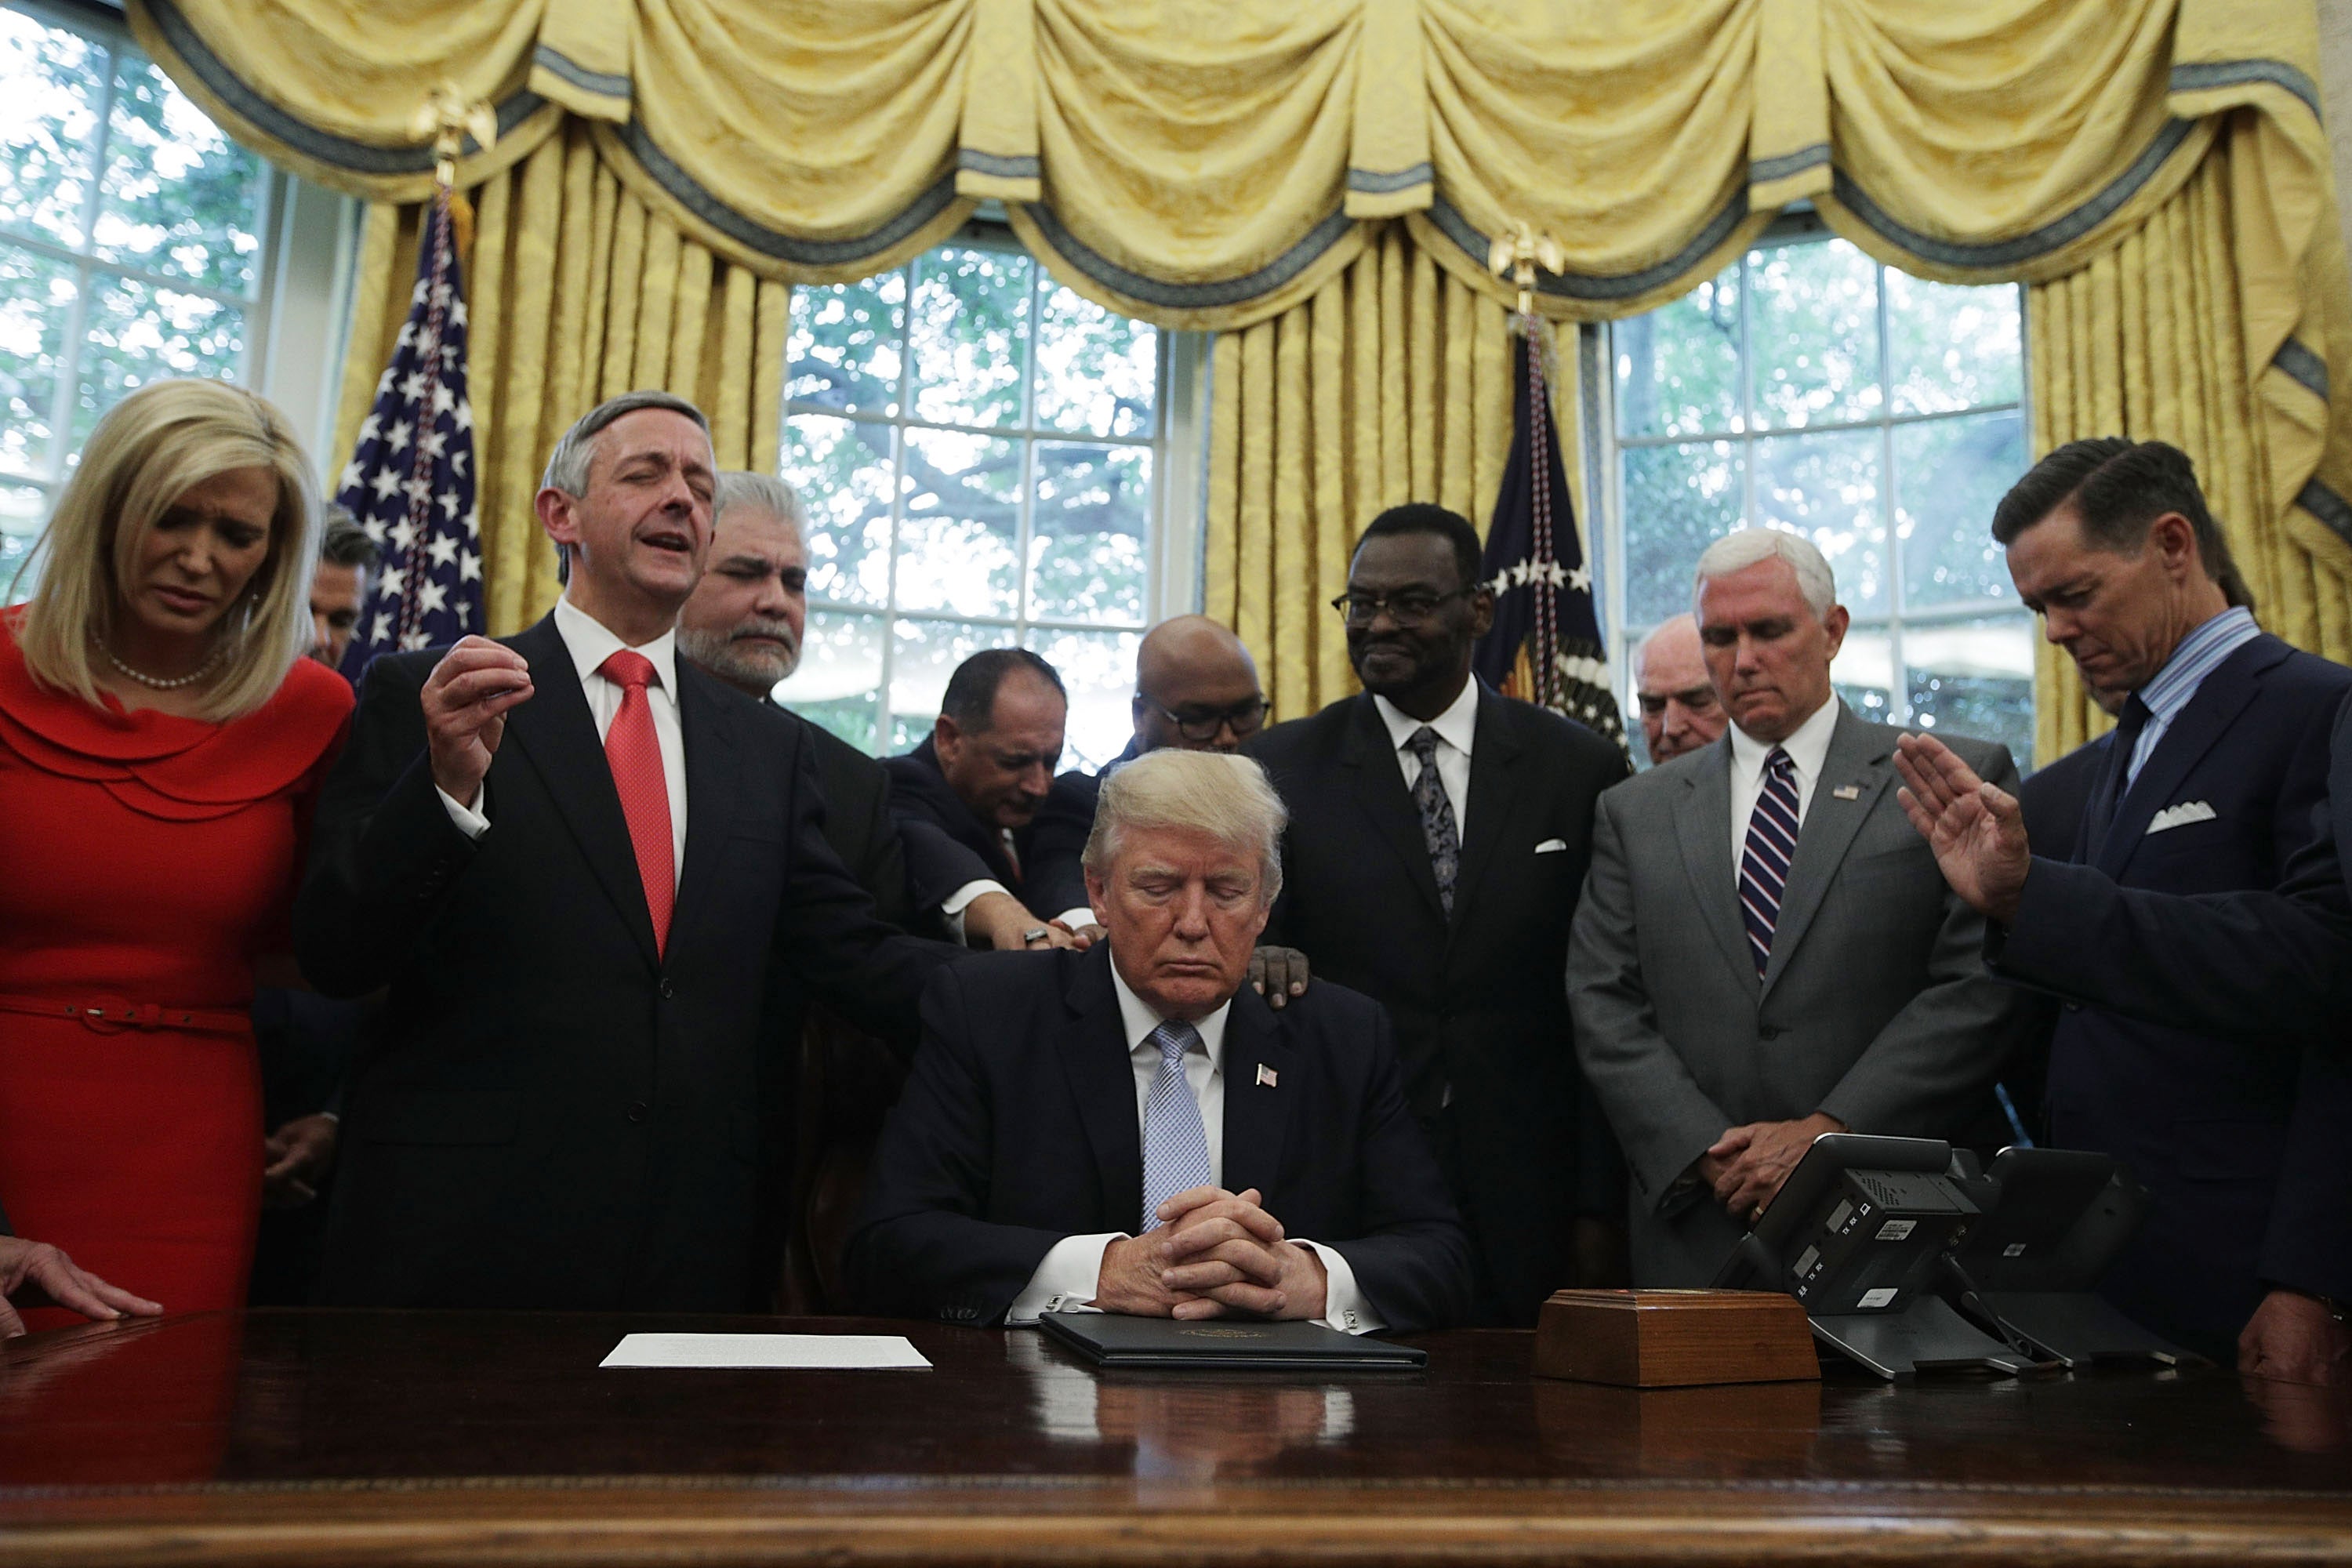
(1391, 384)
(577, 292)
(2149, 341)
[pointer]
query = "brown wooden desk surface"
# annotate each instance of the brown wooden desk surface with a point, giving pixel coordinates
(319, 1437)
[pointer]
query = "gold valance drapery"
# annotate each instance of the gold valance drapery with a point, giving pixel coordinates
(1230, 166)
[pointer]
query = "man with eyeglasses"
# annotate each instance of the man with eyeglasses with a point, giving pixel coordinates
(1438, 845)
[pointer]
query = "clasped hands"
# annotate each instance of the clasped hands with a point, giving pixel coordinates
(1213, 1252)
(1746, 1166)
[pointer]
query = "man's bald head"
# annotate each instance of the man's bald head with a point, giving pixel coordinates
(1192, 674)
(1679, 710)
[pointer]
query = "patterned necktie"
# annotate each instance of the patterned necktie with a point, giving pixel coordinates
(635, 756)
(1436, 815)
(1175, 1145)
(1771, 845)
(2114, 779)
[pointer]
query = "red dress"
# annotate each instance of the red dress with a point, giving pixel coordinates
(145, 861)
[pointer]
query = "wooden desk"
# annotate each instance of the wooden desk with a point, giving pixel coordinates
(345, 1437)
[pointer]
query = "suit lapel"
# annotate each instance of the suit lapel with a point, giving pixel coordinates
(558, 733)
(1382, 795)
(1857, 760)
(1101, 1076)
(1257, 1113)
(2221, 697)
(1703, 827)
(708, 733)
(1493, 759)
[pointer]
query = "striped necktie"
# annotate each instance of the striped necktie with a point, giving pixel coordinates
(1771, 845)
(1175, 1144)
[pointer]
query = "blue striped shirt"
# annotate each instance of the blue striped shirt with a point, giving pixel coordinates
(2199, 653)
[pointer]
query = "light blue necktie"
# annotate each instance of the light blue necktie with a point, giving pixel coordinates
(1175, 1146)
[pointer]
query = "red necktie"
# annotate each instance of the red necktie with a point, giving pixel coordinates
(635, 755)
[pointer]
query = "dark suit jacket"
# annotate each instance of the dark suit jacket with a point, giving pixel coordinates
(2240, 1138)
(856, 792)
(555, 1116)
(958, 848)
(1018, 1127)
(1479, 999)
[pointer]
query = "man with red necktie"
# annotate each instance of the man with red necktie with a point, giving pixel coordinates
(574, 859)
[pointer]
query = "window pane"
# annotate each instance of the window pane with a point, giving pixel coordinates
(1952, 347)
(843, 352)
(179, 197)
(956, 537)
(1949, 474)
(1974, 677)
(923, 655)
(1678, 366)
(1098, 668)
(840, 469)
(1864, 673)
(36, 299)
(1825, 486)
(138, 333)
(1814, 331)
(1678, 501)
(51, 86)
(1087, 521)
(1098, 374)
(23, 509)
(839, 682)
(969, 329)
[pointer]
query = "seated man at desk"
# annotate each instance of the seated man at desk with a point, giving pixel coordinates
(1131, 1129)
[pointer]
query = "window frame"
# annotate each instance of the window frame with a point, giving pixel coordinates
(1174, 544)
(1604, 479)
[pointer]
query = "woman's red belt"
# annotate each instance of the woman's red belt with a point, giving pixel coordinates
(113, 1015)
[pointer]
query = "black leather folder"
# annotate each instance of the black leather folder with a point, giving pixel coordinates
(1109, 1340)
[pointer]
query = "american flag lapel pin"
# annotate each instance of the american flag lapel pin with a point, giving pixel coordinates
(1848, 792)
(1266, 1077)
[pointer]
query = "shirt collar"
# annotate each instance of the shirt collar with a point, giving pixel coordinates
(591, 643)
(1454, 726)
(1809, 748)
(1141, 1018)
(2194, 660)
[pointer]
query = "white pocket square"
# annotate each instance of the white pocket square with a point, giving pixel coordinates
(2180, 815)
(1551, 846)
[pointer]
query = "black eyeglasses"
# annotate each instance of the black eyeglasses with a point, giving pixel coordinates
(1244, 718)
(1409, 607)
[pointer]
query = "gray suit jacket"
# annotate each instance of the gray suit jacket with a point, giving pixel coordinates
(1875, 1007)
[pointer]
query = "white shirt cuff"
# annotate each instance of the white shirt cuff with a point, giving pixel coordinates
(1066, 1279)
(953, 904)
(470, 823)
(1344, 1307)
(1084, 915)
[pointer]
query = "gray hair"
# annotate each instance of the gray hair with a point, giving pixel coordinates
(1224, 796)
(1737, 552)
(567, 465)
(741, 487)
(345, 543)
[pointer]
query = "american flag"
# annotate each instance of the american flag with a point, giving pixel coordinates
(411, 481)
(1545, 647)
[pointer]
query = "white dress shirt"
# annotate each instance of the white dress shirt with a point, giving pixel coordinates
(1454, 728)
(1809, 749)
(1066, 1279)
(589, 645)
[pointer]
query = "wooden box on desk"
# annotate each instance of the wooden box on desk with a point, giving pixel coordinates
(1670, 1339)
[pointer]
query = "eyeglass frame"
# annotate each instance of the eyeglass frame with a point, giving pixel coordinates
(1215, 721)
(1396, 612)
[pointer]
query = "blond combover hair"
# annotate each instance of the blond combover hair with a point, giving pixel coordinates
(1224, 796)
(152, 449)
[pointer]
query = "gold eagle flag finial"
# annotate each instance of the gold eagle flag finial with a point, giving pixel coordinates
(449, 117)
(1517, 256)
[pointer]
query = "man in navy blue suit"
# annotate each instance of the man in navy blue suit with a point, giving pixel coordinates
(2201, 956)
(1131, 1129)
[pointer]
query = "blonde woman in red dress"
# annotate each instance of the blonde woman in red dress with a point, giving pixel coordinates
(162, 741)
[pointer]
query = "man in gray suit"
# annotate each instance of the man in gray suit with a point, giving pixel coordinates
(1763, 953)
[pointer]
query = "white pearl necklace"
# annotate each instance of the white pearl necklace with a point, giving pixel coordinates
(157, 682)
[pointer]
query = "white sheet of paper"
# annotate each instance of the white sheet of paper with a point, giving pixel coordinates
(825, 1353)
